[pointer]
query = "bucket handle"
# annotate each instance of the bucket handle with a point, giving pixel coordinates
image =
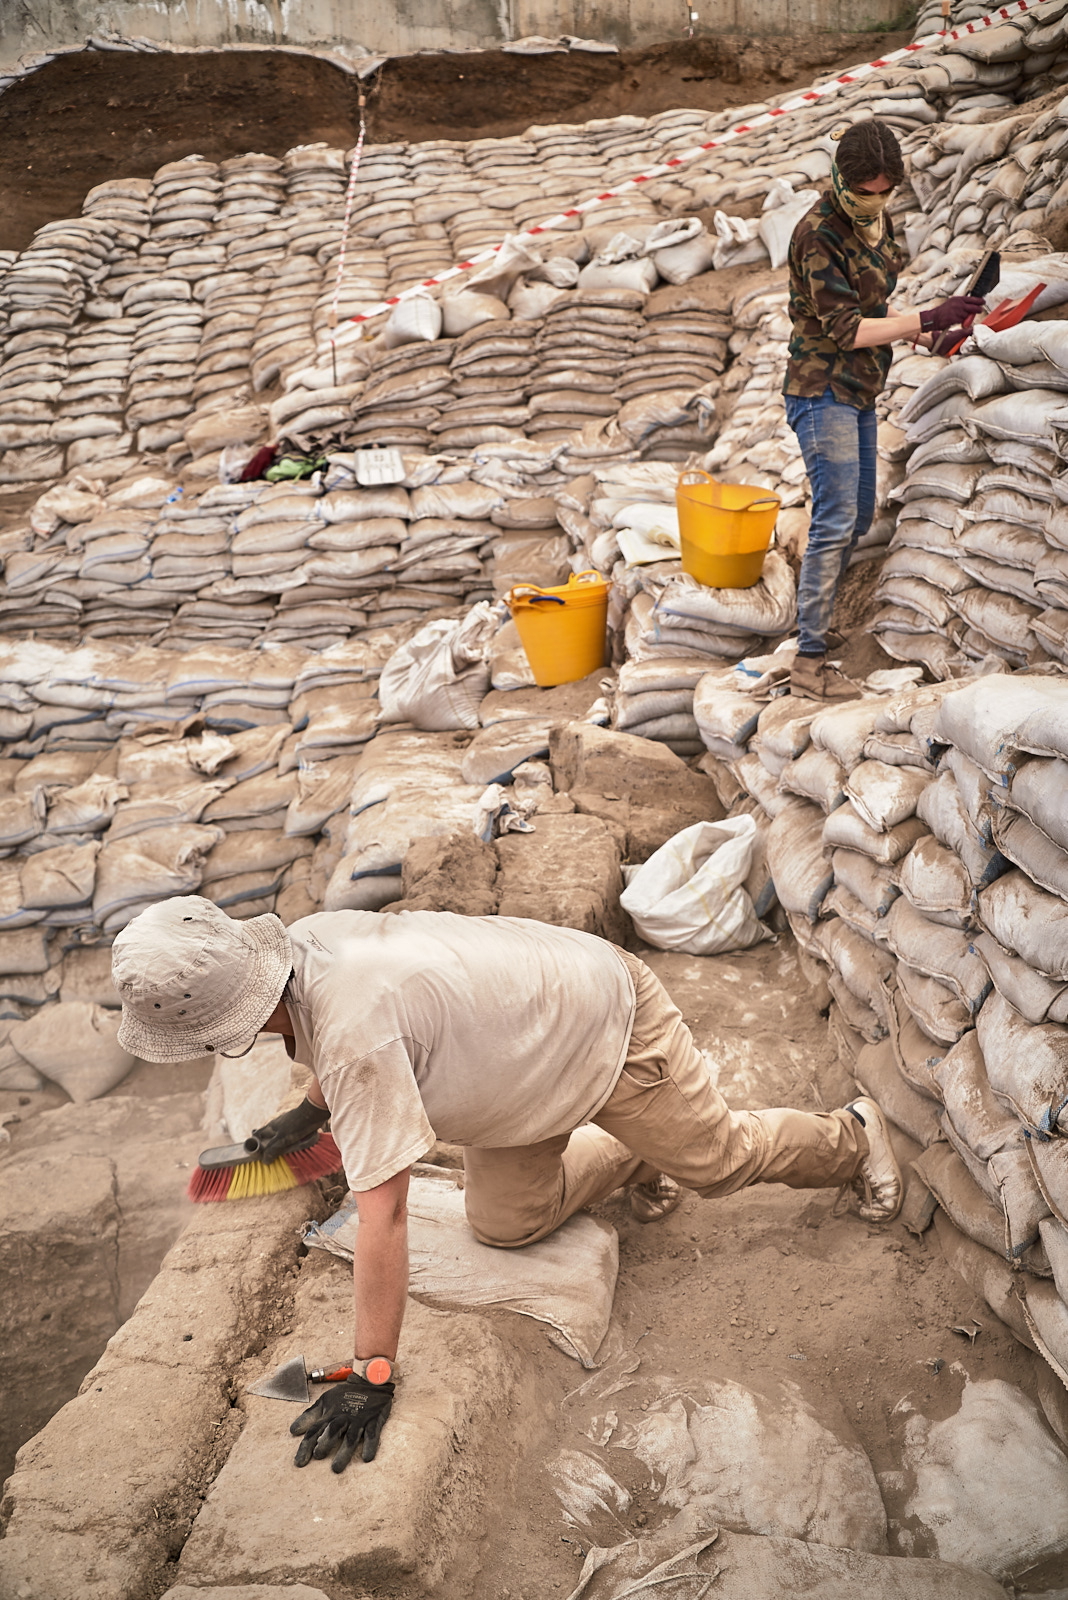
(532, 594)
(696, 472)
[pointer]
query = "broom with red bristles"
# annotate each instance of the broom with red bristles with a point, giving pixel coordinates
(235, 1171)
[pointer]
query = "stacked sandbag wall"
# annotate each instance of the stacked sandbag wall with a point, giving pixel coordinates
(916, 845)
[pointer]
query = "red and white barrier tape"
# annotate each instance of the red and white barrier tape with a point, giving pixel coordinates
(353, 325)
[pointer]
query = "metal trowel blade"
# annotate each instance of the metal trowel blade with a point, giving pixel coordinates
(287, 1382)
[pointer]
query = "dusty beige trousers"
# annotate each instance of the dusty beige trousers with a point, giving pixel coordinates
(664, 1115)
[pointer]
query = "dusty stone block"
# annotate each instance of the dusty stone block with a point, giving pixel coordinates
(567, 873)
(454, 874)
(103, 1496)
(639, 785)
(379, 1523)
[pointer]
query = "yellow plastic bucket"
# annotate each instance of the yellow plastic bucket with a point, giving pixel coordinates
(563, 629)
(724, 529)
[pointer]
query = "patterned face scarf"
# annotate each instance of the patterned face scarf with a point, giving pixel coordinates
(865, 211)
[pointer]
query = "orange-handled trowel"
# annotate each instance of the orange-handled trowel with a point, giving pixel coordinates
(290, 1381)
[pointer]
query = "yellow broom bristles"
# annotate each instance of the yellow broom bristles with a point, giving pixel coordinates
(255, 1178)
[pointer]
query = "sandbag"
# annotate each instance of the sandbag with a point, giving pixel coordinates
(439, 678)
(883, 795)
(873, 885)
(936, 1007)
(690, 896)
(996, 717)
(975, 1112)
(876, 1072)
(941, 808)
(989, 1482)
(846, 829)
(934, 880)
(1026, 1066)
(74, 1044)
(1037, 998)
(768, 608)
(938, 951)
(567, 1280)
(416, 320)
(800, 871)
(1028, 920)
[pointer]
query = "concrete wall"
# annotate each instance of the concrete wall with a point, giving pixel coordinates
(400, 26)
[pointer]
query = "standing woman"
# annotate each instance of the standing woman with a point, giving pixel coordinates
(844, 265)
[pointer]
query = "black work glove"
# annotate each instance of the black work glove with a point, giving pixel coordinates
(957, 309)
(353, 1412)
(286, 1131)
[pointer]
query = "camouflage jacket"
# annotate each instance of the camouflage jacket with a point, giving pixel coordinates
(835, 280)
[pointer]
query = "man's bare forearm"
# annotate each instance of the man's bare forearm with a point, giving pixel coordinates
(380, 1286)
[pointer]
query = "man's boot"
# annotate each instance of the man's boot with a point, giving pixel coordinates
(815, 678)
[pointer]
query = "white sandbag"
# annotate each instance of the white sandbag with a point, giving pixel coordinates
(938, 951)
(976, 1114)
(567, 1280)
(777, 224)
(935, 881)
(941, 809)
(440, 677)
(990, 1481)
(468, 309)
(768, 608)
(884, 795)
(150, 866)
(801, 873)
(936, 1007)
(872, 884)
(1037, 998)
(1026, 1066)
(1038, 789)
(1028, 920)
(724, 713)
(639, 274)
(63, 876)
(416, 320)
(815, 775)
(844, 729)
(876, 1072)
(846, 829)
(690, 894)
(74, 1044)
(1043, 861)
(743, 1566)
(756, 1461)
(994, 718)
(678, 257)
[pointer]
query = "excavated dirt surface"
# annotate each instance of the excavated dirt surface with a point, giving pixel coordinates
(761, 1288)
(85, 118)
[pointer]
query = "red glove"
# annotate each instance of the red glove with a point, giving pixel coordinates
(958, 309)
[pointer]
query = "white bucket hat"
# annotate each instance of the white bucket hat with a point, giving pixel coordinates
(193, 981)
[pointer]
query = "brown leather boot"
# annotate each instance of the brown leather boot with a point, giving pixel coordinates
(815, 678)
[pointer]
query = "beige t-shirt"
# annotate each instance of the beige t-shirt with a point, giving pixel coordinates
(488, 1031)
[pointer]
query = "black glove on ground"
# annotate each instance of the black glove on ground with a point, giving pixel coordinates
(286, 1131)
(957, 309)
(354, 1412)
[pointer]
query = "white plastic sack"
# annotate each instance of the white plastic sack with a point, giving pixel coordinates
(689, 895)
(567, 1280)
(639, 274)
(414, 320)
(461, 312)
(440, 677)
(778, 222)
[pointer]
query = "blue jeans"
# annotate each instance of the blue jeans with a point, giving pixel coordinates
(838, 445)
